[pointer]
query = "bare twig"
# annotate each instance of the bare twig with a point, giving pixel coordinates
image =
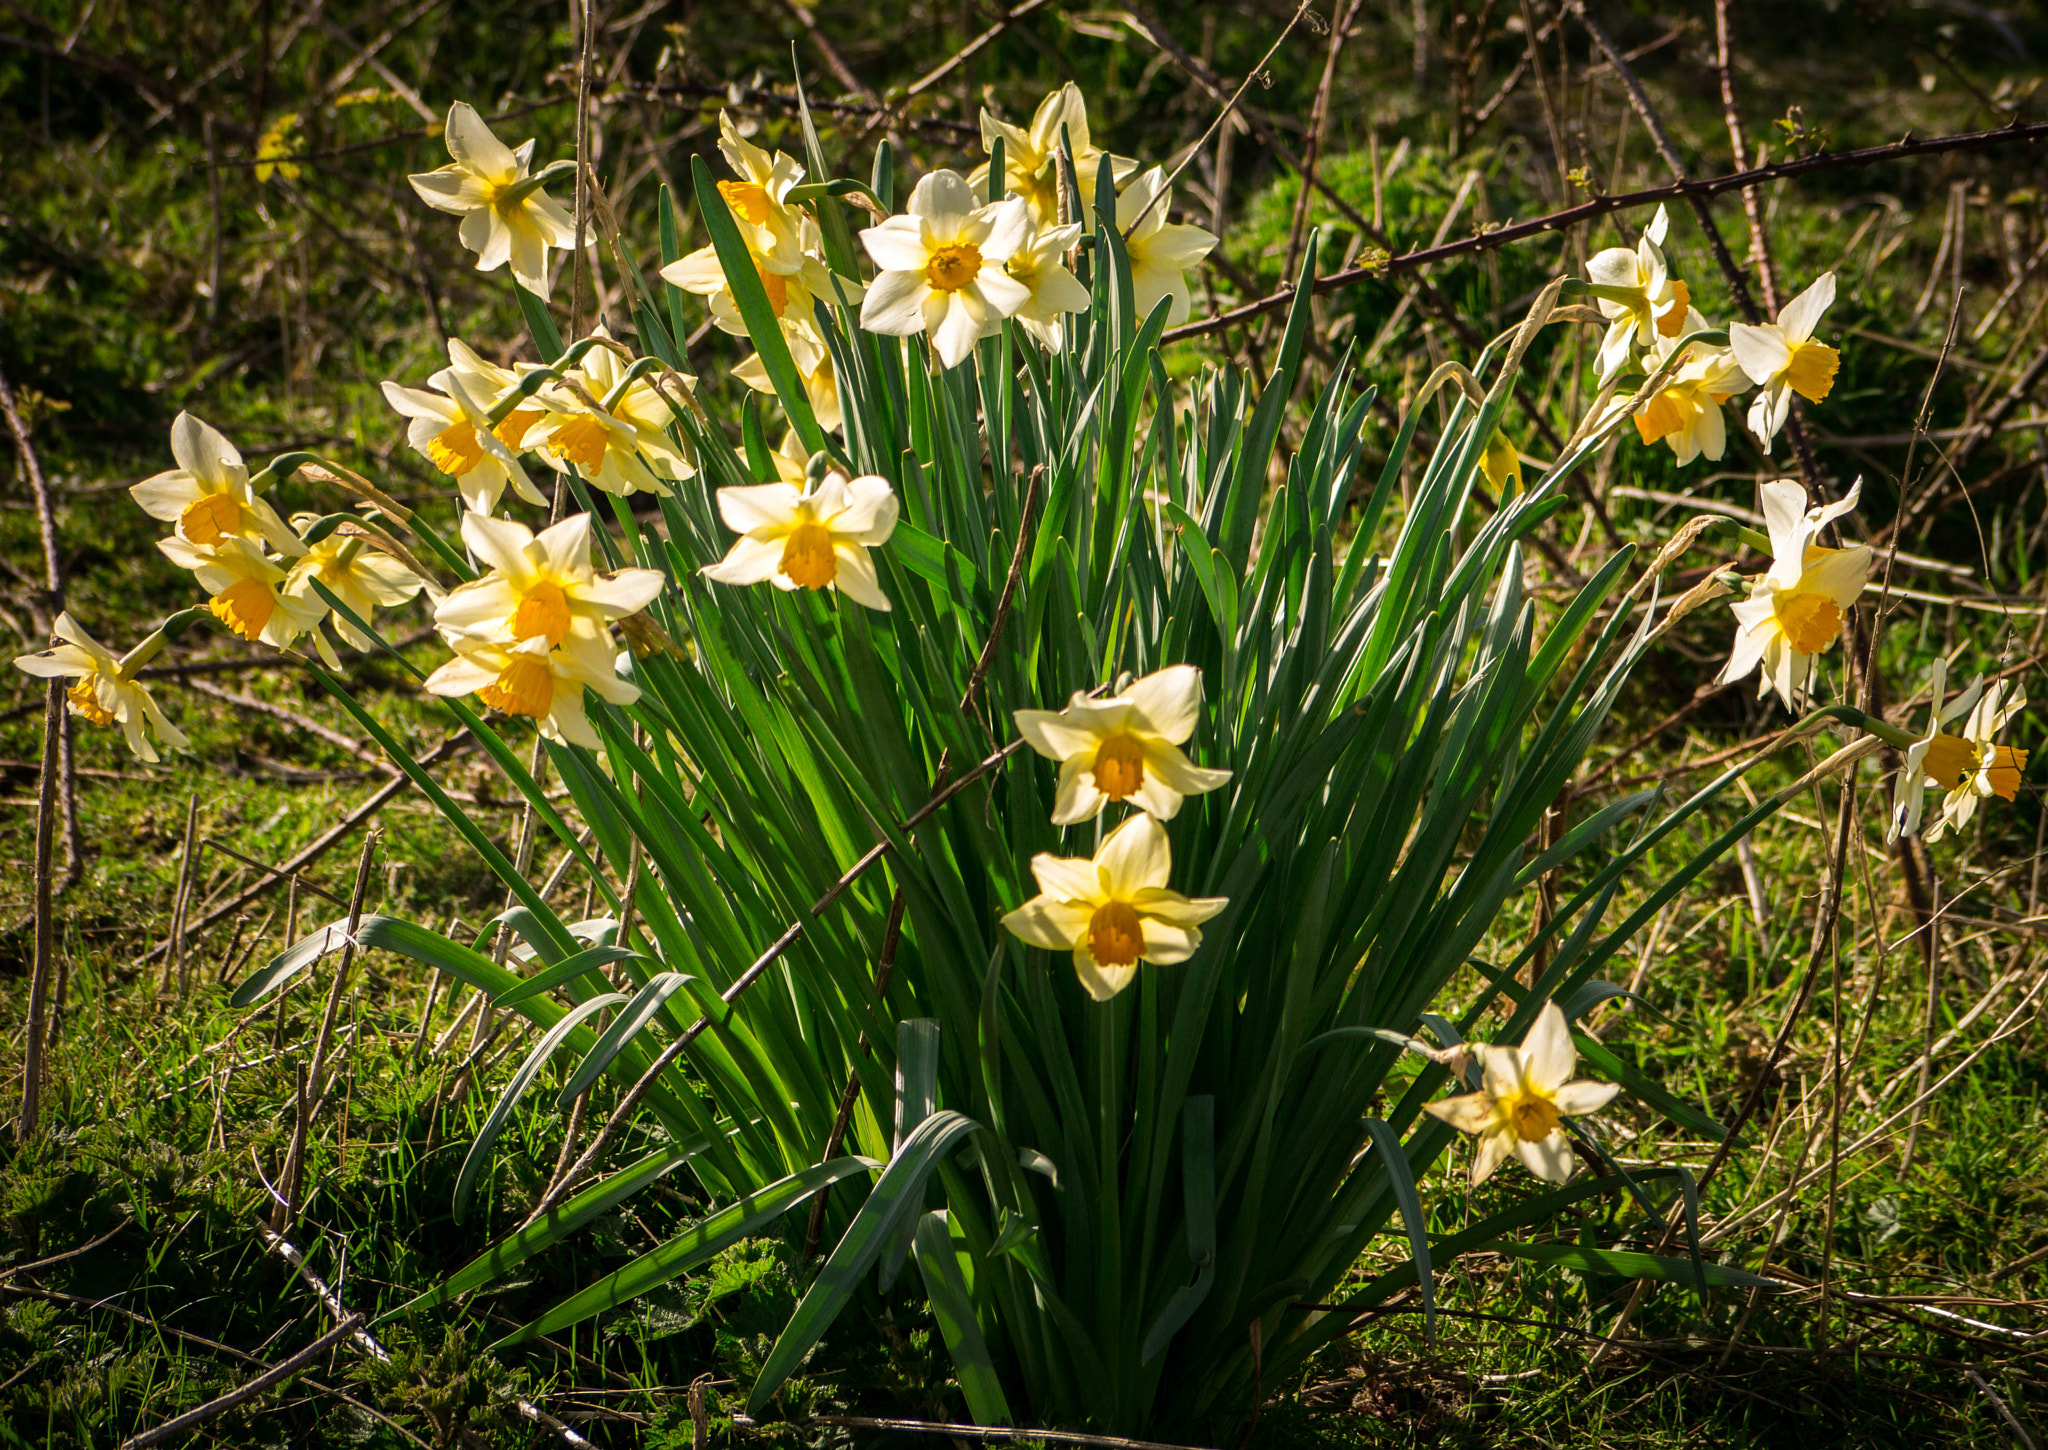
(275, 1375)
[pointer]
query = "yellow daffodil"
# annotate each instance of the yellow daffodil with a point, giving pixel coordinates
(1115, 910)
(1635, 292)
(247, 590)
(528, 678)
(1936, 758)
(1523, 1101)
(1976, 766)
(1782, 358)
(207, 496)
(1055, 291)
(1031, 157)
(809, 539)
(506, 216)
(540, 586)
(624, 450)
(796, 282)
(107, 692)
(1795, 610)
(821, 386)
(1685, 414)
(356, 572)
(452, 429)
(942, 267)
(759, 198)
(1160, 251)
(1125, 747)
(1502, 465)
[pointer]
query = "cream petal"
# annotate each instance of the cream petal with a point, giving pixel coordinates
(1136, 855)
(1659, 225)
(1493, 1150)
(1501, 1068)
(1101, 983)
(1762, 351)
(1166, 944)
(957, 331)
(473, 146)
(1169, 701)
(449, 189)
(167, 495)
(564, 548)
(502, 545)
(1840, 574)
(1171, 906)
(870, 512)
(1576, 1099)
(1059, 735)
(1743, 656)
(749, 561)
(203, 451)
(567, 722)
(1548, 1055)
(1468, 1113)
(856, 579)
(1067, 878)
(481, 607)
(1613, 267)
(420, 404)
(943, 202)
(1078, 798)
(63, 662)
(896, 245)
(627, 592)
(1045, 922)
(894, 305)
(1802, 314)
(1155, 798)
(759, 508)
(463, 675)
(1549, 1157)
(1010, 228)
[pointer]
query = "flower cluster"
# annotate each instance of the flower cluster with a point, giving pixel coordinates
(1650, 317)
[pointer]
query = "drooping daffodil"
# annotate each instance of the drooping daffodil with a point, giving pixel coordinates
(1685, 414)
(1977, 766)
(1160, 251)
(106, 692)
(1113, 911)
(1935, 758)
(1055, 291)
(1124, 747)
(814, 538)
(794, 280)
(1795, 610)
(506, 215)
(1031, 157)
(452, 429)
(247, 590)
(529, 678)
(621, 446)
(942, 267)
(821, 386)
(1524, 1097)
(355, 571)
(759, 198)
(540, 586)
(1638, 296)
(207, 496)
(1782, 358)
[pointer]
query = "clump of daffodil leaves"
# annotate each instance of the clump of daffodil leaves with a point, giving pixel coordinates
(1152, 822)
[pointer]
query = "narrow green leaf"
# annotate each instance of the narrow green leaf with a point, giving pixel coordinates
(646, 1002)
(946, 1287)
(568, 969)
(1401, 1175)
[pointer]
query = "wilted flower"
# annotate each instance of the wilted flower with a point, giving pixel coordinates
(1113, 911)
(529, 678)
(107, 692)
(1782, 358)
(506, 216)
(1160, 252)
(1031, 157)
(1795, 610)
(808, 539)
(942, 267)
(1638, 296)
(1523, 1101)
(207, 496)
(622, 451)
(247, 591)
(1054, 290)
(1977, 766)
(1125, 747)
(539, 586)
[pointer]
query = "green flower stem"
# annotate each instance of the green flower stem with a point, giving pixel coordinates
(519, 191)
(539, 378)
(639, 370)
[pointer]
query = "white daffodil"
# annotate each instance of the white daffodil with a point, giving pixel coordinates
(540, 586)
(1988, 768)
(1795, 610)
(624, 450)
(1055, 291)
(1637, 295)
(1031, 157)
(1936, 758)
(1685, 414)
(529, 678)
(942, 267)
(452, 429)
(821, 386)
(207, 496)
(107, 692)
(356, 572)
(1782, 358)
(1160, 251)
(506, 216)
(247, 590)
(1115, 910)
(1524, 1099)
(809, 539)
(1125, 747)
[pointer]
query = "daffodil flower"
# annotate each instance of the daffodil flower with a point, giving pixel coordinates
(795, 282)
(1635, 292)
(1936, 758)
(821, 386)
(942, 267)
(529, 678)
(506, 216)
(1502, 465)
(1685, 414)
(760, 197)
(452, 429)
(107, 692)
(1055, 291)
(540, 586)
(1523, 1101)
(247, 591)
(1031, 157)
(1782, 358)
(1113, 911)
(624, 450)
(808, 539)
(207, 496)
(1125, 747)
(1795, 610)
(1160, 251)
(356, 572)
(1977, 766)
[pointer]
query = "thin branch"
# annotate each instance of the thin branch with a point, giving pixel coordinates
(275, 1375)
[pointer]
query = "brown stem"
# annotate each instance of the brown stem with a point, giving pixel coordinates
(39, 980)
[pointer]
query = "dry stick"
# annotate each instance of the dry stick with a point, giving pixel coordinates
(2019, 1433)
(1933, 1010)
(985, 1432)
(1318, 120)
(294, 880)
(317, 1072)
(1600, 206)
(182, 902)
(45, 915)
(276, 1374)
(1759, 239)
